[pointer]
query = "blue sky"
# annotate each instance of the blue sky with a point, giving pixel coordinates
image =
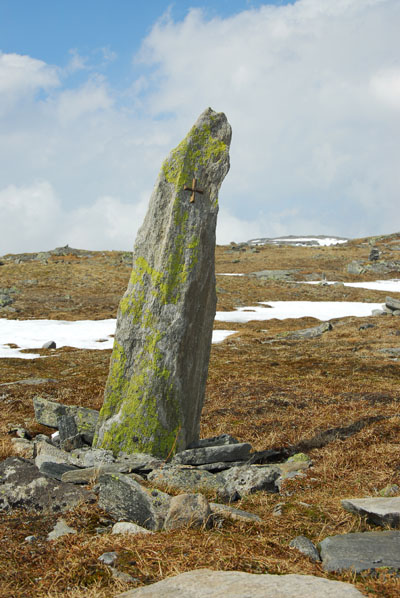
(94, 94)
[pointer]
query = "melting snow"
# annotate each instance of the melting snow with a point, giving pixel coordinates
(83, 334)
(389, 286)
(281, 310)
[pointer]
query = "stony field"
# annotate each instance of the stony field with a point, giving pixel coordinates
(335, 397)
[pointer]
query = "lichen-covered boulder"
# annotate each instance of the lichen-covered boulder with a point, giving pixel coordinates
(159, 365)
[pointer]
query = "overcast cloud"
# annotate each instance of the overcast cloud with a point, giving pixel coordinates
(312, 91)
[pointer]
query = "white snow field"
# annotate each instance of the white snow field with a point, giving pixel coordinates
(281, 310)
(388, 286)
(83, 334)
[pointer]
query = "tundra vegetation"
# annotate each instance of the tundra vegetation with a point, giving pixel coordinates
(264, 387)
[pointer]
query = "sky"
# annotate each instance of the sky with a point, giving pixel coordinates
(94, 94)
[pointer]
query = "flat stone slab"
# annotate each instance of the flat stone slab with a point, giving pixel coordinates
(381, 511)
(227, 512)
(214, 441)
(361, 551)
(204, 583)
(22, 486)
(188, 479)
(214, 454)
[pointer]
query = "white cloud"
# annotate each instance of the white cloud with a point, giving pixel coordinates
(312, 91)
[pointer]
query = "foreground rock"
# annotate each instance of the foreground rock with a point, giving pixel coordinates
(156, 385)
(361, 551)
(48, 413)
(381, 511)
(124, 498)
(205, 583)
(22, 486)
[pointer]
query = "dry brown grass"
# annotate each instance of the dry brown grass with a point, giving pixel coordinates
(262, 388)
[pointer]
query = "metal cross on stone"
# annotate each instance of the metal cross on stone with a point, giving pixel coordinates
(193, 189)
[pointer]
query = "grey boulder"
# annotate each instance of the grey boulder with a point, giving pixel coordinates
(381, 511)
(213, 454)
(306, 547)
(361, 551)
(188, 510)
(246, 479)
(204, 583)
(47, 413)
(126, 499)
(22, 486)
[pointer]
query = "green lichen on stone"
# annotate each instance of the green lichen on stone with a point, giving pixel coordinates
(197, 149)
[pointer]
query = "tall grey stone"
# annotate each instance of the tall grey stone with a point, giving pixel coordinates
(159, 365)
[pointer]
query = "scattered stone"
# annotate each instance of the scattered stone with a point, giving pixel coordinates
(381, 511)
(108, 558)
(204, 583)
(23, 448)
(139, 461)
(374, 254)
(60, 529)
(279, 275)
(213, 454)
(378, 312)
(228, 512)
(246, 479)
(55, 470)
(31, 539)
(390, 490)
(46, 452)
(49, 345)
(125, 499)
(158, 373)
(392, 304)
(23, 486)
(122, 576)
(366, 326)
(361, 551)
(92, 474)
(189, 479)
(129, 528)
(392, 351)
(314, 332)
(356, 267)
(214, 441)
(188, 510)
(86, 457)
(221, 465)
(306, 547)
(47, 412)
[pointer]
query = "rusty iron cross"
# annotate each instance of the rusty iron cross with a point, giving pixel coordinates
(193, 189)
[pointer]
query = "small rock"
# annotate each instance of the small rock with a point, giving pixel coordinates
(49, 345)
(306, 547)
(392, 304)
(122, 576)
(247, 479)
(23, 448)
(188, 510)
(390, 490)
(381, 511)
(213, 454)
(129, 528)
(190, 479)
(31, 539)
(220, 440)
(108, 558)
(55, 470)
(228, 512)
(60, 529)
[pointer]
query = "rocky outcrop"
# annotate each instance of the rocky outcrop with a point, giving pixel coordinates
(205, 583)
(158, 371)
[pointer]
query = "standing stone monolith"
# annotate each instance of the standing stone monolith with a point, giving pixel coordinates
(158, 371)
